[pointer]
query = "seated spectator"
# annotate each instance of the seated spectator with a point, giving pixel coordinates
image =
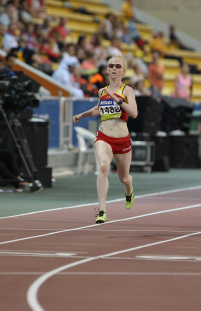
(10, 38)
(30, 35)
(37, 8)
(65, 75)
(119, 28)
(138, 76)
(140, 89)
(46, 26)
(97, 80)
(158, 44)
(83, 43)
(64, 32)
(183, 83)
(132, 61)
(106, 27)
(156, 76)
(8, 16)
(47, 49)
(135, 35)
(176, 41)
(53, 40)
(24, 14)
(89, 63)
(127, 11)
(69, 50)
(101, 53)
(80, 54)
(115, 47)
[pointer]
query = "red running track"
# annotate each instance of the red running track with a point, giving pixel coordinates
(148, 258)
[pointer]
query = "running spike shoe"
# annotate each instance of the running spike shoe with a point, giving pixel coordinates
(129, 200)
(101, 217)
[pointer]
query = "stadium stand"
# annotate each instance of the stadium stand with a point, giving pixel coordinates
(87, 16)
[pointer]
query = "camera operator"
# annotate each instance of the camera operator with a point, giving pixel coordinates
(9, 171)
(10, 63)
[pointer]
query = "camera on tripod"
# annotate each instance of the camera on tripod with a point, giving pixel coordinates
(15, 96)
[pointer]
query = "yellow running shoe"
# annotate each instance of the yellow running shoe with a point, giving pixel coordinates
(101, 217)
(129, 200)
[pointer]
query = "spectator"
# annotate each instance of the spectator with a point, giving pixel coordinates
(140, 89)
(30, 36)
(63, 31)
(10, 38)
(97, 80)
(183, 83)
(69, 50)
(8, 16)
(80, 54)
(46, 26)
(53, 40)
(10, 62)
(156, 77)
(138, 76)
(134, 33)
(127, 11)
(37, 8)
(100, 52)
(115, 48)
(157, 44)
(24, 14)
(175, 40)
(106, 27)
(89, 63)
(82, 42)
(64, 74)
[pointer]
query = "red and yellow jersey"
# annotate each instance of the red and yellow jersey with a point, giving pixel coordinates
(109, 109)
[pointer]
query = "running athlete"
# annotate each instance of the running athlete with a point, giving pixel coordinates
(116, 103)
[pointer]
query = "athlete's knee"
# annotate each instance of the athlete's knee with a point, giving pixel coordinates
(125, 179)
(104, 167)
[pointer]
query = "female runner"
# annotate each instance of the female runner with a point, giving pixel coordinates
(116, 103)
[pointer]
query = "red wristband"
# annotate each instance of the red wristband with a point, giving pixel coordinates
(120, 102)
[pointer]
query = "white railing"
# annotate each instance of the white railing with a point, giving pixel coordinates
(65, 121)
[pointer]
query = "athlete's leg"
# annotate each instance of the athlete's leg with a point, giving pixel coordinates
(104, 155)
(123, 162)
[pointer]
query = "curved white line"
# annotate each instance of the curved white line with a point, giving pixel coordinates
(111, 201)
(33, 289)
(95, 225)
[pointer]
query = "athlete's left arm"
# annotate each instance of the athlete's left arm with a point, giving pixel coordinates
(131, 107)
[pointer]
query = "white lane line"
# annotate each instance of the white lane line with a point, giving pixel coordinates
(135, 230)
(96, 225)
(107, 273)
(169, 257)
(111, 201)
(31, 254)
(33, 289)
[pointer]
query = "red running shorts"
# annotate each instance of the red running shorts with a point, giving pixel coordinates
(119, 145)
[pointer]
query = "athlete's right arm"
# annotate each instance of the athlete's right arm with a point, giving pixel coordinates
(89, 113)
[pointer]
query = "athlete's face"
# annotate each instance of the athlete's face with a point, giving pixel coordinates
(115, 68)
